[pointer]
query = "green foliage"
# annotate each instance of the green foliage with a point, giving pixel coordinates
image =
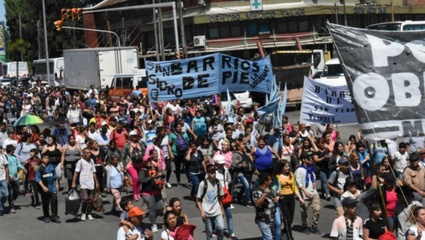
(31, 13)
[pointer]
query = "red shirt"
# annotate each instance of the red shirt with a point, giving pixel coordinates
(119, 138)
(31, 166)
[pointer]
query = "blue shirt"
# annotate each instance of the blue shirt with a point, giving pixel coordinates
(13, 165)
(47, 175)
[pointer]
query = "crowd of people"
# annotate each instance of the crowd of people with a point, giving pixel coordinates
(105, 147)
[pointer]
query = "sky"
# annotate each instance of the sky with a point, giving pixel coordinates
(2, 11)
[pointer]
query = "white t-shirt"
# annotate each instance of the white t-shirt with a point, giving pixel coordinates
(166, 235)
(3, 164)
(164, 146)
(9, 141)
(400, 161)
(339, 228)
(86, 170)
(137, 230)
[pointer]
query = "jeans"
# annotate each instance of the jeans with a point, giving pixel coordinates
(266, 230)
(324, 181)
(246, 188)
(277, 224)
(155, 206)
(219, 226)
(4, 192)
(195, 179)
(229, 218)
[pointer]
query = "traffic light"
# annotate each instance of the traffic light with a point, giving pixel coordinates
(63, 14)
(74, 14)
(58, 25)
(68, 13)
(79, 13)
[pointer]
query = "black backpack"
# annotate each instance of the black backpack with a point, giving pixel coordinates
(136, 155)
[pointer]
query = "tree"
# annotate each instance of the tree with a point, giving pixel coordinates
(31, 13)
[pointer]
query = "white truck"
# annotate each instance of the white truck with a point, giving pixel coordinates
(97, 66)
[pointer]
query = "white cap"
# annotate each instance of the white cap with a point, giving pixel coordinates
(133, 133)
(219, 159)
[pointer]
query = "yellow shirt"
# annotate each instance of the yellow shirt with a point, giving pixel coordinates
(287, 184)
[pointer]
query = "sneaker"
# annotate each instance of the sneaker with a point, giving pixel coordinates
(168, 185)
(315, 230)
(327, 197)
(37, 206)
(83, 217)
(231, 206)
(56, 219)
(250, 205)
(306, 231)
(12, 209)
(232, 236)
(46, 219)
(90, 217)
(154, 228)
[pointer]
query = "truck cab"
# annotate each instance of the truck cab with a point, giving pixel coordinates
(125, 84)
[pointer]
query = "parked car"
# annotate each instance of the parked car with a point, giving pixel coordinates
(7, 81)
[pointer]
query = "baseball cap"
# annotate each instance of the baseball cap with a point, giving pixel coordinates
(342, 160)
(133, 133)
(348, 201)
(150, 121)
(135, 211)
(414, 157)
(211, 167)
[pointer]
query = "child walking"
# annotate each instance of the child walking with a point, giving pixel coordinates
(31, 165)
(86, 171)
(46, 178)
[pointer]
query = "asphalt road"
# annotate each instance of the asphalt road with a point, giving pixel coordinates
(25, 224)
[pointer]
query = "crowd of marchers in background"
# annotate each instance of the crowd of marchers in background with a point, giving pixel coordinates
(133, 146)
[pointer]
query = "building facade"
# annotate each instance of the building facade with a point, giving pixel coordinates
(237, 27)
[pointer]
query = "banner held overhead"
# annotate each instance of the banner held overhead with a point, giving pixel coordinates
(385, 74)
(207, 75)
(326, 102)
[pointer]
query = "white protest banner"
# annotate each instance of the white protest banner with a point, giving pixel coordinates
(385, 73)
(326, 102)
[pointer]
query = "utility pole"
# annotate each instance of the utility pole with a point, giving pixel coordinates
(161, 34)
(336, 13)
(182, 29)
(40, 46)
(20, 35)
(155, 29)
(46, 45)
(345, 13)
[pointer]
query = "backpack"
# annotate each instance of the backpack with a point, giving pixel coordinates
(181, 143)
(206, 188)
(136, 155)
(335, 183)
